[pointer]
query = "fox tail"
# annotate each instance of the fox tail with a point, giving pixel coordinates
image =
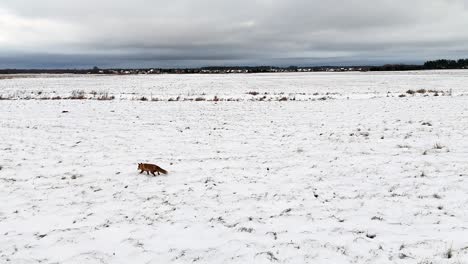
(163, 171)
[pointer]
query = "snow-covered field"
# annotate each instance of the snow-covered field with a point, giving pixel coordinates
(235, 87)
(360, 176)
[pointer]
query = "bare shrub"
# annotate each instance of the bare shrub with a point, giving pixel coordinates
(438, 146)
(436, 92)
(77, 95)
(271, 257)
(143, 98)
(198, 99)
(284, 98)
(410, 92)
(404, 146)
(449, 253)
(245, 229)
(421, 91)
(104, 96)
(253, 93)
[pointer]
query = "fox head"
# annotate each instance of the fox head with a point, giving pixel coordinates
(140, 166)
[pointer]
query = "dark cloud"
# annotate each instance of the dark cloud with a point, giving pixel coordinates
(205, 32)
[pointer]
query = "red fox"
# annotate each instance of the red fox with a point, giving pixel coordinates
(150, 168)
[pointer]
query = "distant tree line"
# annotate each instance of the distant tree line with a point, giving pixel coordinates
(429, 65)
(447, 64)
(397, 67)
(47, 71)
(242, 68)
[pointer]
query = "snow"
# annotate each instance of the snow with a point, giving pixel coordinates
(301, 86)
(340, 180)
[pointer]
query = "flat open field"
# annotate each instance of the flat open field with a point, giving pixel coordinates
(263, 168)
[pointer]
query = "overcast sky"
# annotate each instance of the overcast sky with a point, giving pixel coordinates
(177, 33)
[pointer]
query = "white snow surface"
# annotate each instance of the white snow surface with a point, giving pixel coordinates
(364, 176)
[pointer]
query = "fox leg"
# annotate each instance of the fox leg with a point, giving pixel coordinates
(153, 173)
(141, 171)
(158, 173)
(147, 172)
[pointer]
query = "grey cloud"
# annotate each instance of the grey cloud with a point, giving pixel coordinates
(231, 32)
